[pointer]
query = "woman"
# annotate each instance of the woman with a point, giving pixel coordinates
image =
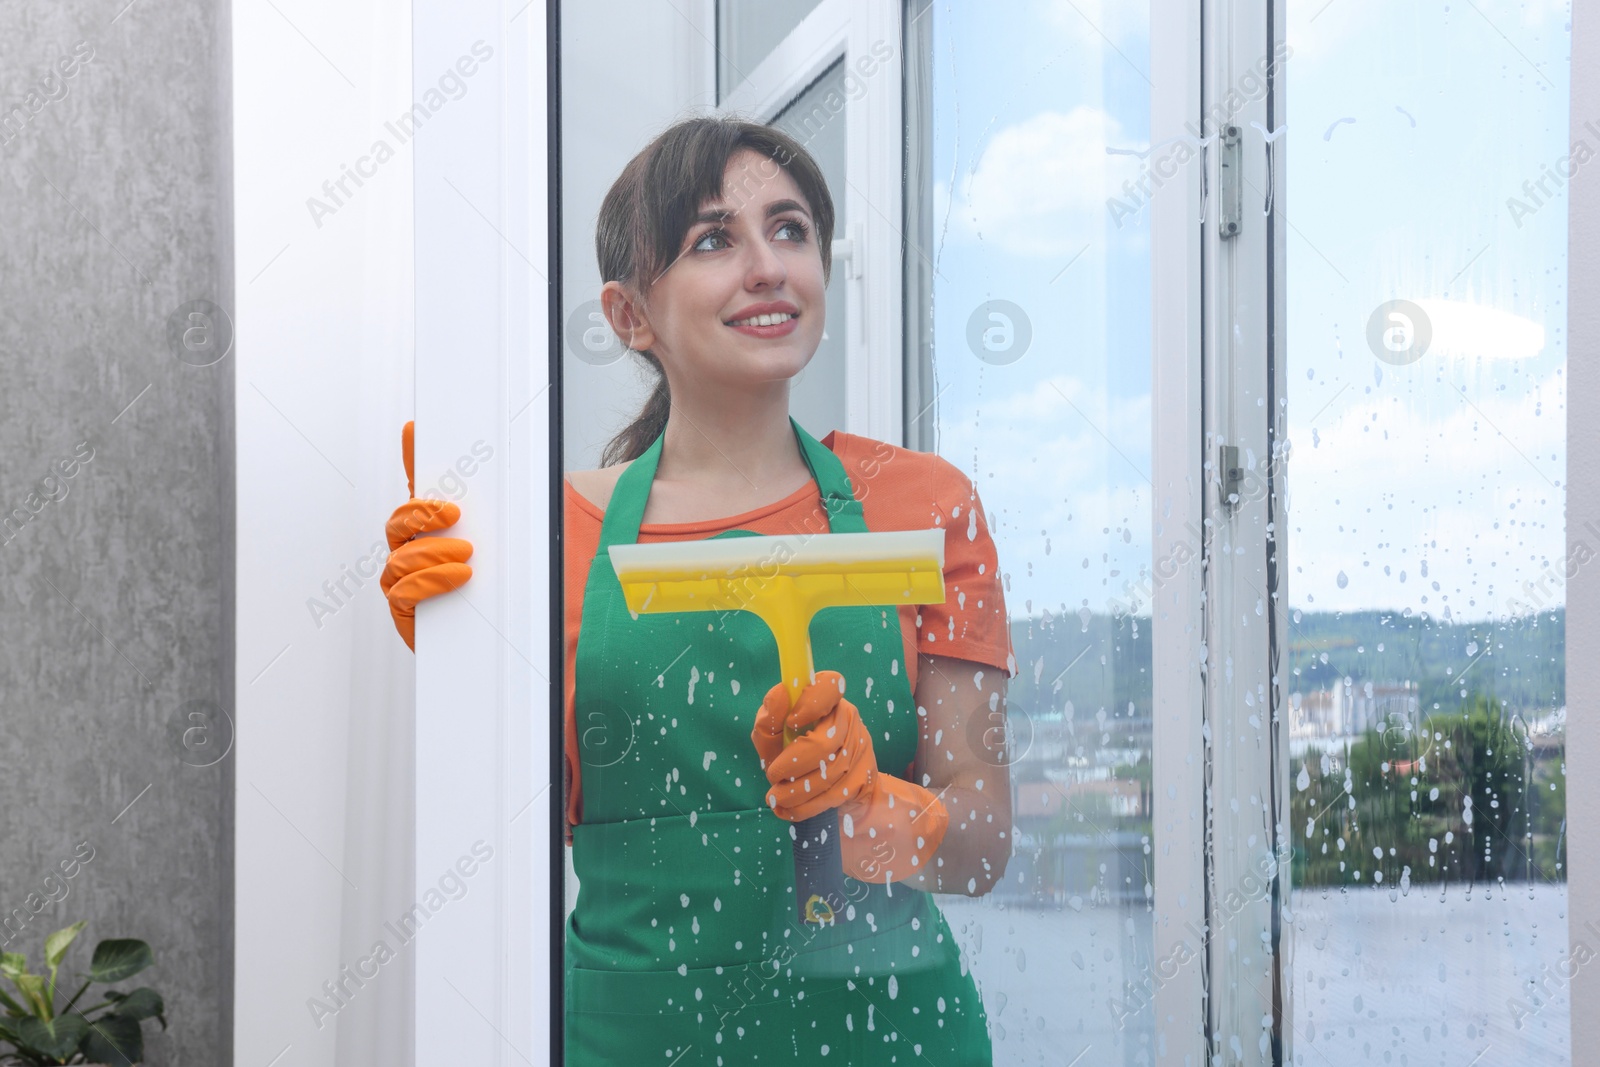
(683, 946)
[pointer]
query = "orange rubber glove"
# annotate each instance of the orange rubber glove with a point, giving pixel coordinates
(419, 568)
(890, 828)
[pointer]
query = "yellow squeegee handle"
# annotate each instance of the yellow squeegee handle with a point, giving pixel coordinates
(794, 652)
(818, 859)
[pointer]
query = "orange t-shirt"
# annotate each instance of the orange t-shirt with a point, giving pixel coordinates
(899, 489)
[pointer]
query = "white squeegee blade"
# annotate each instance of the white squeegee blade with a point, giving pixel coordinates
(796, 553)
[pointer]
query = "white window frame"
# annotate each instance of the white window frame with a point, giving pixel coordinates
(1177, 970)
(1243, 397)
(487, 982)
(1583, 509)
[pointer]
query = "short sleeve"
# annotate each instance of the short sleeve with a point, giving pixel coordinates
(972, 623)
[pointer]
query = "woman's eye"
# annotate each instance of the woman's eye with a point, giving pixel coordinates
(797, 230)
(708, 235)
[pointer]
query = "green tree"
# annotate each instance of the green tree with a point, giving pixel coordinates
(1466, 798)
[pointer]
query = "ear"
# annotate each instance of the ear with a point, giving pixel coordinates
(624, 311)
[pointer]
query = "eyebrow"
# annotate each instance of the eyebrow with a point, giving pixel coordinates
(723, 214)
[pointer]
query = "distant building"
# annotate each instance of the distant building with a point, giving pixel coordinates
(1342, 712)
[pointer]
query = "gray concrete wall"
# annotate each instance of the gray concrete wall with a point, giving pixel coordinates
(116, 489)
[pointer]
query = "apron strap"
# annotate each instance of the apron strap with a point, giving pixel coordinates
(841, 505)
(625, 510)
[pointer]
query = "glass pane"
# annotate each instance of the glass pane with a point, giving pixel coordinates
(749, 29)
(1427, 276)
(814, 393)
(1028, 350)
(682, 941)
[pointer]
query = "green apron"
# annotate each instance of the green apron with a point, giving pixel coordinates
(684, 947)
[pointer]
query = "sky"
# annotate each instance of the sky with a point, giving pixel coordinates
(1407, 129)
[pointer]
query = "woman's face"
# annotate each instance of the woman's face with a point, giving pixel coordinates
(750, 252)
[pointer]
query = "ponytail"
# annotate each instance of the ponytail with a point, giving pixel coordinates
(639, 434)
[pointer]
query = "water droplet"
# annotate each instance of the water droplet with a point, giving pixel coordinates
(1343, 579)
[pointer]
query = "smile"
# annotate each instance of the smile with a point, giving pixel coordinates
(764, 320)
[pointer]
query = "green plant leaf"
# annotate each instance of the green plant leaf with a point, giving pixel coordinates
(119, 958)
(34, 987)
(55, 946)
(10, 1004)
(142, 1003)
(55, 1037)
(115, 1040)
(13, 964)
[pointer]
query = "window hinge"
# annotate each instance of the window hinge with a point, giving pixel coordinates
(1232, 476)
(1231, 198)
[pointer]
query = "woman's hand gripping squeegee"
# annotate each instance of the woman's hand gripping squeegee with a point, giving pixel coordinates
(889, 827)
(785, 580)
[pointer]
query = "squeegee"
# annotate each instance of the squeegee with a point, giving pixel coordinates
(785, 580)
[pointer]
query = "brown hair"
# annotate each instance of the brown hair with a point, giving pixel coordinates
(650, 207)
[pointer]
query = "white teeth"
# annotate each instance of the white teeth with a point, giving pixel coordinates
(763, 320)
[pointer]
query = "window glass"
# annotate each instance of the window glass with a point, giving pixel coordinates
(1028, 368)
(1427, 277)
(814, 397)
(747, 30)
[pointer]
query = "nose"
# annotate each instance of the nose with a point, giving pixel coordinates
(764, 268)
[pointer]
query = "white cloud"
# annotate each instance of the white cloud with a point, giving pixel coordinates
(1041, 185)
(1476, 331)
(1419, 472)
